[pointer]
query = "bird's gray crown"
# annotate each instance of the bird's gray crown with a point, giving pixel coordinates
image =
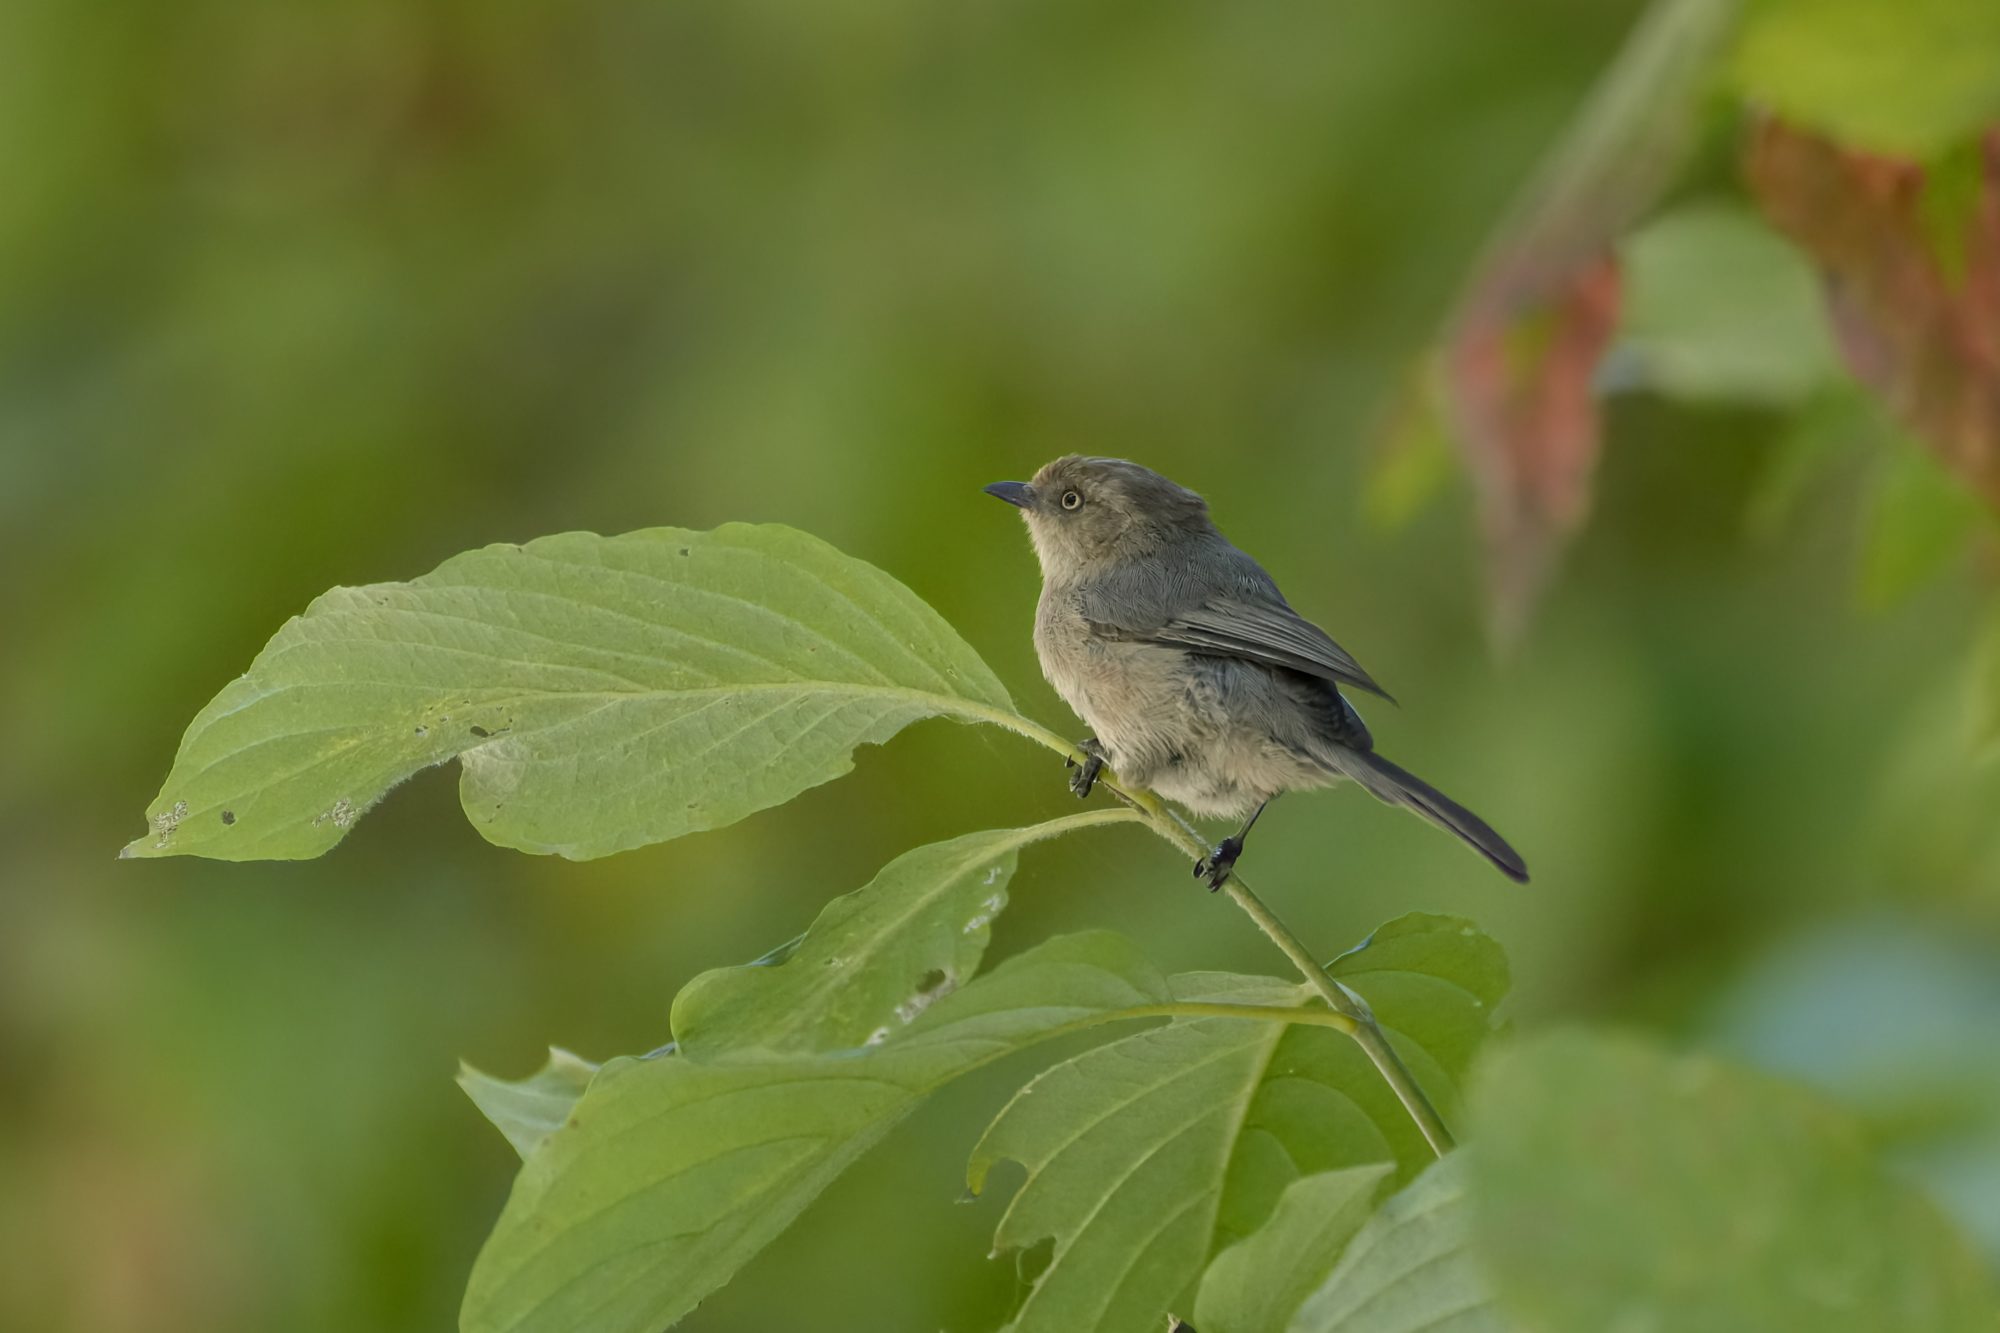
(1084, 513)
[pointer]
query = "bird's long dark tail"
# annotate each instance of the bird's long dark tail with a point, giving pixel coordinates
(1399, 786)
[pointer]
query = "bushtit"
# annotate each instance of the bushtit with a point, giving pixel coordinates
(1199, 679)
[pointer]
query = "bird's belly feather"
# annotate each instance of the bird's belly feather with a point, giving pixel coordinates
(1171, 721)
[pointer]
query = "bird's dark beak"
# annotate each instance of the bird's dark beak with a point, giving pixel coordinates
(1017, 493)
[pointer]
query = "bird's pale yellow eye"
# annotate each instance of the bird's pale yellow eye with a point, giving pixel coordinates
(1071, 500)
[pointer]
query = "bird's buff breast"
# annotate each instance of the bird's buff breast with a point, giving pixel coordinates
(1159, 726)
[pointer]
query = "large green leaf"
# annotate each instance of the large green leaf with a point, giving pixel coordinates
(528, 1110)
(1148, 1155)
(1892, 1016)
(599, 693)
(1256, 1284)
(1411, 1269)
(669, 1174)
(1718, 307)
(1909, 78)
(875, 959)
(1616, 1185)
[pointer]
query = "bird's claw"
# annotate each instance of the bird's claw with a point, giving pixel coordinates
(1215, 867)
(1085, 778)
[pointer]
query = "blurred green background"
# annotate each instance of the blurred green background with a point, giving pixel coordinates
(293, 296)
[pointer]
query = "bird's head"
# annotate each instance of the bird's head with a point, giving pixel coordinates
(1087, 513)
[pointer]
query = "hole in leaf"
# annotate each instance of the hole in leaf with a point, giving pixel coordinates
(1031, 1263)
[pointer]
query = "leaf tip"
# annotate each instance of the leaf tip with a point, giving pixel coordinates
(159, 838)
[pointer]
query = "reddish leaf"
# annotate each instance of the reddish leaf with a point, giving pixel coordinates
(1527, 337)
(1917, 322)
(1527, 416)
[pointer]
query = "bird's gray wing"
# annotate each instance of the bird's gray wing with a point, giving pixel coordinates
(1248, 619)
(1265, 632)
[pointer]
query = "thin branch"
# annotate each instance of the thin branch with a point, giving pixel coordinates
(1359, 1019)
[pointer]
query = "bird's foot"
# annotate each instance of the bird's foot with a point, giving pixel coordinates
(1086, 773)
(1215, 867)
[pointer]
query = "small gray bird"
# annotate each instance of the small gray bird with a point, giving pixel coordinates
(1199, 679)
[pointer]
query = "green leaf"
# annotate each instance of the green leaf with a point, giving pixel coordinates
(1413, 459)
(876, 958)
(1717, 307)
(1891, 1016)
(1433, 981)
(1911, 78)
(1919, 520)
(670, 1174)
(599, 693)
(1148, 1155)
(1816, 442)
(529, 1110)
(1948, 210)
(1256, 1284)
(1617, 1185)
(1412, 1269)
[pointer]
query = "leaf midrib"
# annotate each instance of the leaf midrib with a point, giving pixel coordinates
(925, 703)
(931, 704)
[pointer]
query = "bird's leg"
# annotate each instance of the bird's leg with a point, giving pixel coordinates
(1215, 867)
(1086, 773)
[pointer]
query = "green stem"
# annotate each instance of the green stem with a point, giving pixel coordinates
(1262, 1013)
(1366, 1032)
(1357, 1019)
(1257, 1013)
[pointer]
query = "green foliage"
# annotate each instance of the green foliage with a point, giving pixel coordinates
(1948, 210)
(599, 693)
(301, 289)
(1911, 78)
(1919, 520)
(786, 1072)
(1717, 307)
(1895, 1022)
(1619, 1185)
(528, 1110)
(1413, 458)
(669, 1174)
(758, 1110)
(1411, 1269)
(1148, 1155)
(1232, 1155)
(875, 959)
(1434, 981)
(1256, 1284)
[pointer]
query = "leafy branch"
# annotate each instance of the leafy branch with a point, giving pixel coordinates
(1361, 1024)
(601, 693)
(1259, 1145)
